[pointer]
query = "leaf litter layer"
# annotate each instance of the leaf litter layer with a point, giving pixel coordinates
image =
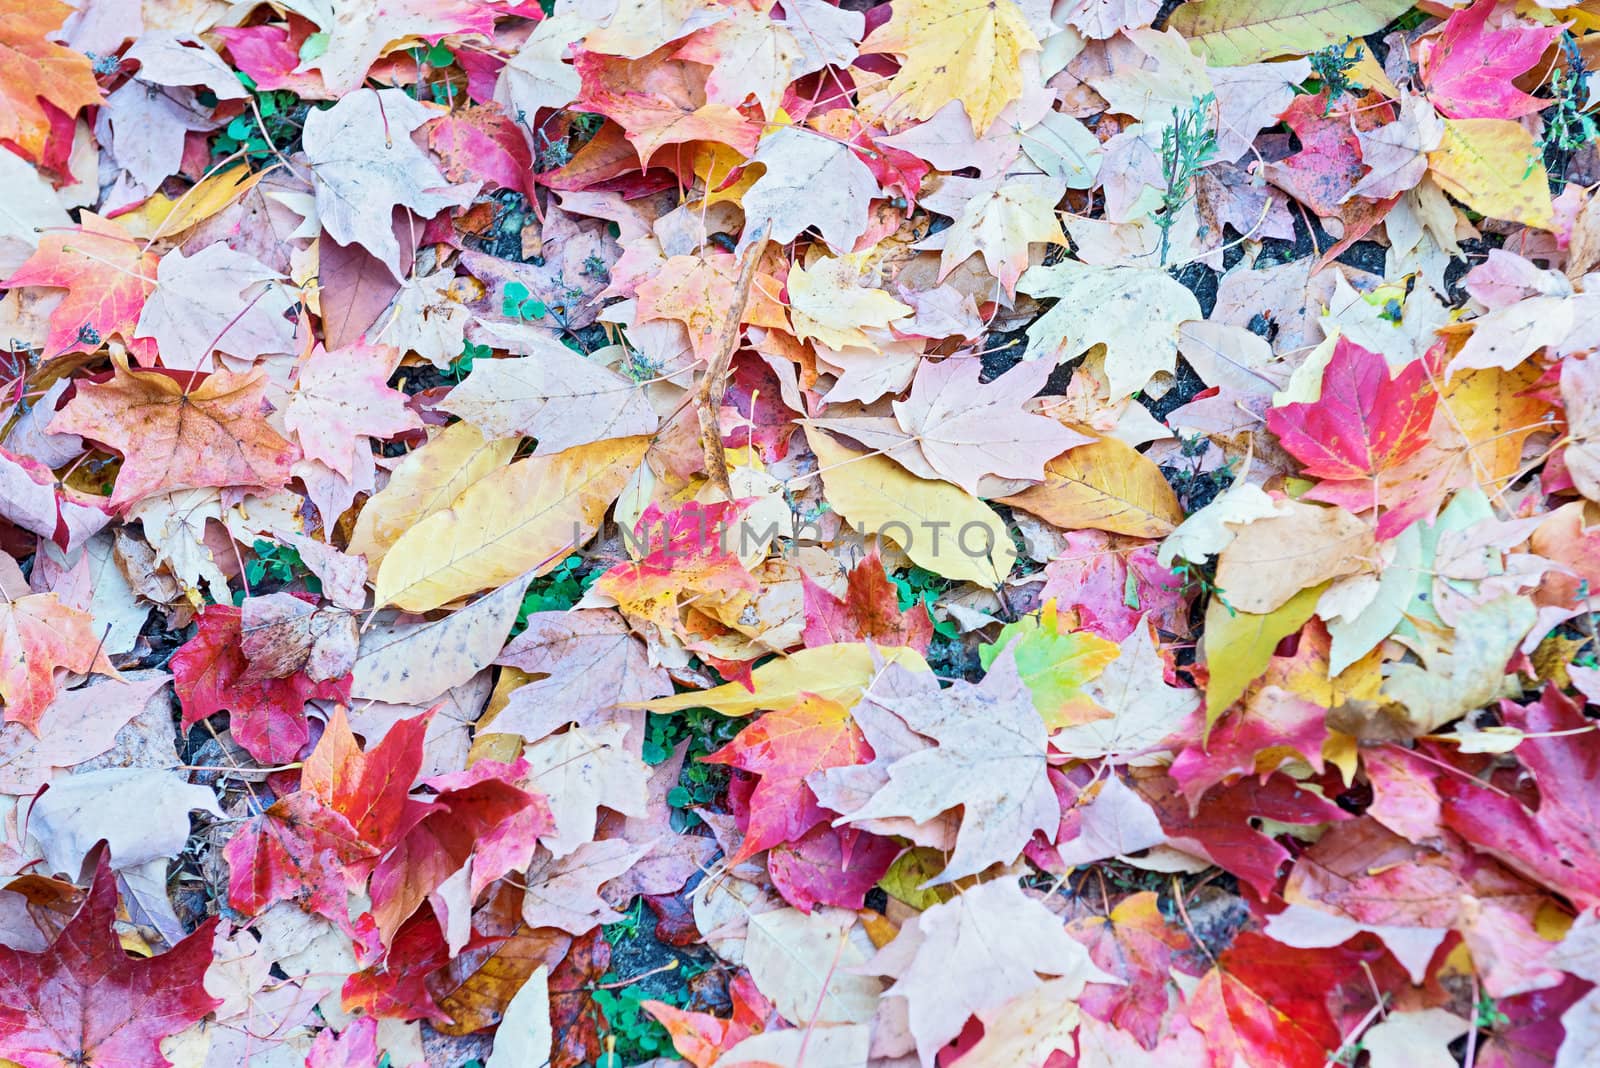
(604, 535)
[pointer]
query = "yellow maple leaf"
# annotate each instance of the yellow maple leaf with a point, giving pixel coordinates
(1493, 167)
(966, 50)
(828, 302)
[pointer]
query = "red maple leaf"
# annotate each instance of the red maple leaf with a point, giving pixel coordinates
(268, 716)
(397, 986)
(83, 1001)
(1266, 1003)
(1365, 422)
(830, 866)
(699, 1037)
(868, 612)
(1467, 70)
(1220, 827)
(1557, 843)
(475, 814)
(321, 841)
(1135, 943)
(783, 748)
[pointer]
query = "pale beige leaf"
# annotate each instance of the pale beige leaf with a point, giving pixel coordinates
(416, 662)
(810, 964)
(1133, 311)
(580, 771)
(1272, 559)
(554, 395)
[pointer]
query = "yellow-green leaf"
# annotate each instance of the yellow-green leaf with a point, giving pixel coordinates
(1054, 666)
(1231, 33)
(1239, 645)
(1493, 167)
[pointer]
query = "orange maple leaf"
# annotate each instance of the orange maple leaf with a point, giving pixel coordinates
(37, 635)
(34, 69)
(174, 438)
(107, 275)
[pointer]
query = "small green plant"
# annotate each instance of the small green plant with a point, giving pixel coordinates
(518, 303)
(918, 585)
(1187, 145)
(1200, 581)
(1567, 127)
(555, 592)
(698, 783)
(1488, 1016)
(636, 1035)
(278, 565)
(627, 928)
(461, 366)
(1331, 67)
(283, 117)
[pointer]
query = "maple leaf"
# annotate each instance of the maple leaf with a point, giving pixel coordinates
(83, 1000)
(365, 164)
(974, 953)
(211, 674)
(983, 749)
(479, 810)
(828, 302)
(1365, 421)
(1324, 174)
(782, 748)
(1266, 1003)
(31, 498)
(1135, 312)
(397, 986)
(322, 840)
(484, 143)
(1553, 844)
(1218, 827)
(35, 71)
(357, 32)
(660, 102)
(699, 1037)
(697, 292)
(173, 438)
(968, 429)
(554, 395)
(925, 33)
(342, 397)
(688, 554)
(809, 180)
(997, 220)
(107, 275)
(1054, 665)
(1134, 943)
(217, 300)
(868, 612)
(39, 634)
(835, 866)
(1467, 69)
